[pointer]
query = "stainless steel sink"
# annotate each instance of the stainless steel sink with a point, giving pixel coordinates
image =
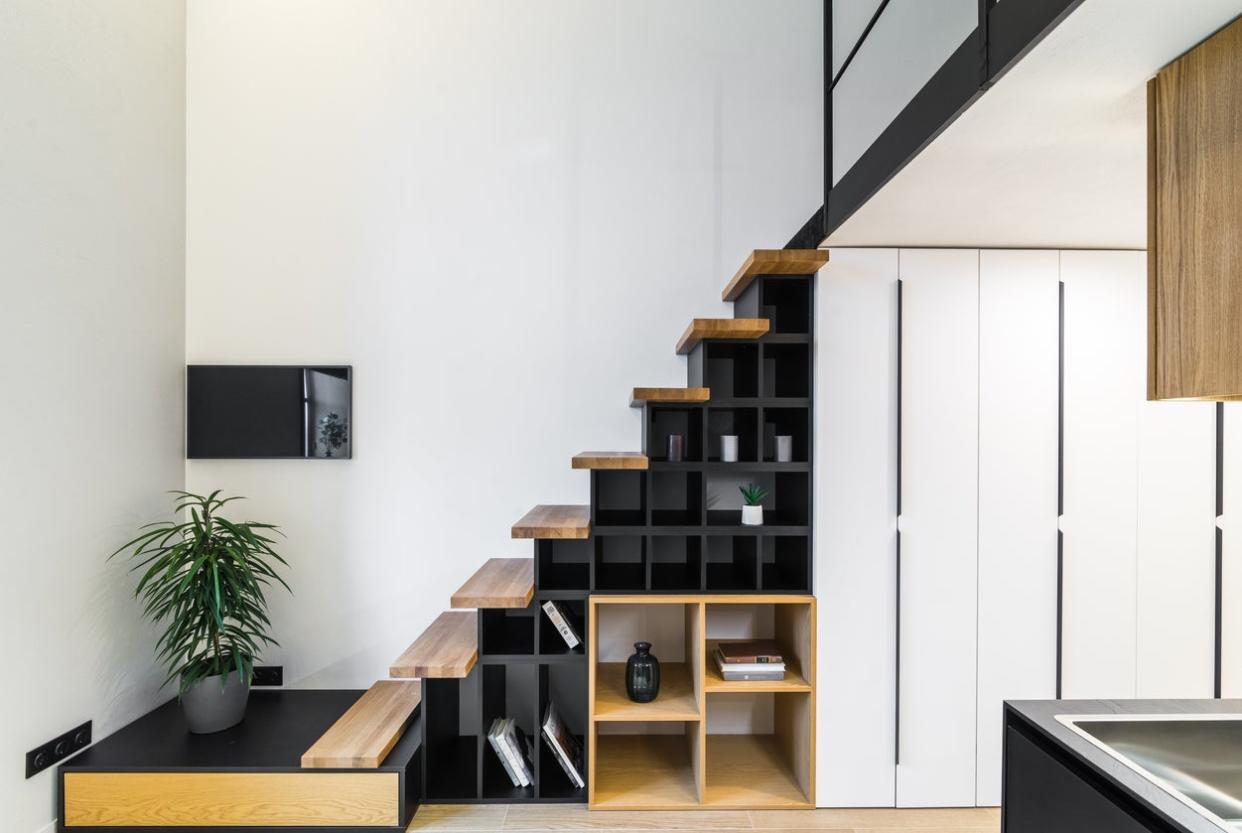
(1196, 758)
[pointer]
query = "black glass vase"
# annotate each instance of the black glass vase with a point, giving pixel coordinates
(642, 674)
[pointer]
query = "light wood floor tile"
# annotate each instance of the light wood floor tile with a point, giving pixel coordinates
(940, 819)
(459, 817)
(536, 817)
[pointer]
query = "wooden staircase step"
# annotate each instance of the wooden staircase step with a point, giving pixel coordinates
(555, 521)
(631, 460)
(363, 736)
(701, 329)
(448, 648)
(500, 582)
(671, 396)
(774, 262)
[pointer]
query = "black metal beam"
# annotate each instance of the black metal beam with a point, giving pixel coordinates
(849, 58)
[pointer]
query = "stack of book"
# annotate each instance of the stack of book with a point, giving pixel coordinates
(561, 620)
(565, 747)
(753, 660)
(514, 750)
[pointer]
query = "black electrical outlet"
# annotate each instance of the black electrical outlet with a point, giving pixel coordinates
(57, 749)
(268, 675)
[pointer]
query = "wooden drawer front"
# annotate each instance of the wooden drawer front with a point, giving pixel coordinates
(230, 799)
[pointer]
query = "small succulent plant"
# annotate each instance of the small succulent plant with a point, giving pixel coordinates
(753, 494)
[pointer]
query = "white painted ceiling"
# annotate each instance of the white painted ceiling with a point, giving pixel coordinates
(1054, 155)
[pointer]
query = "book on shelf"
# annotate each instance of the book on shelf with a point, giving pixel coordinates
(513, 749)
(749, 671)
(560, 620)
(493, 735)
(565, 747)
(750, 651)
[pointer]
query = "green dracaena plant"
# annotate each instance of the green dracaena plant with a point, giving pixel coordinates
(204, 579)
(753, 494)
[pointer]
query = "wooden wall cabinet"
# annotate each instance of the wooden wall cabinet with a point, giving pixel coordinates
(1194, 207)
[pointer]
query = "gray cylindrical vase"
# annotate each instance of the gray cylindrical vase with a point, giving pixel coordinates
(728, 448)
(784, 448)
(676, 447)
(212, 707)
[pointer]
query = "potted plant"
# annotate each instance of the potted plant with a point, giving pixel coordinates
(204, 579)
(752, 509)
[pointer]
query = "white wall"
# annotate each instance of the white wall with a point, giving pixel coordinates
(502, 215)
(92, 329)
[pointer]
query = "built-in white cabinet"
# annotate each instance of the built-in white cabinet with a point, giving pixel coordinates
(1231, 552)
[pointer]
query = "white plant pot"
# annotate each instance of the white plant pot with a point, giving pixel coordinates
(784, 448)
(752, 516)
(728, 448)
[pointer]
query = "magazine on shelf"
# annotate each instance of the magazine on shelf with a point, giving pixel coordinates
(519, 750)
(493, 738)
(560, 620)
(565, 747)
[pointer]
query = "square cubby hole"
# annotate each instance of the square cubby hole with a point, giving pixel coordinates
(787, 502)
(787, 371)
(563, 564)
(732, 562)
(663, 423)
(507, 631)
(786, 563)
(573, 611)
(619, 498)
(787, 304)
(620, 562)
(676, 498)
(789, 422)
(740, 422)
(563, 685)
(451, 737)
(509, 691)
(731, 369)
(676, 562)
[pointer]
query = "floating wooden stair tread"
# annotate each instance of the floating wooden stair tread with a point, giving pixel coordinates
(448, 648)
(500, 582)
(631, 460)
(701, 329)
(670, 396)
(555, 521)
(363, 736)
(774, 262)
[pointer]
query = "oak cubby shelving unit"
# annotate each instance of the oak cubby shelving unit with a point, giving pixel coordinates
(680, 751)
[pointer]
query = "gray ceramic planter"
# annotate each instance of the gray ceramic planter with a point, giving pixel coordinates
(210, 707)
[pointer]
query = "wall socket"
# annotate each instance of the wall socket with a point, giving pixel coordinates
(57, 749)
(268, 675)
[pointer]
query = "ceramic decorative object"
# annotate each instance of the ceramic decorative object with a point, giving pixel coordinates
(752, 516)
(642, 674)
(784, 448)
(676, 447)
(728, 448)
(213, 706)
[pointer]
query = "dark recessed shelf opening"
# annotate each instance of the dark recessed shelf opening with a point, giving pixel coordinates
(507, 631)
(732, 562)
(508, 691)
(731, 370)
(787, 370)
(676, 562)
(620, 498)
(787, 304)
(566, 686)
(676, 498)
(788, 422)
(742, 423)
(620, 562)
(786, 564)
(563, 564)
(787, 502)
(665, 422)
(451, 753)
(550, 639)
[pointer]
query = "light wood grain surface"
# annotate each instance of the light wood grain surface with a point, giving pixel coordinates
(555, 521)
(736, 329)
(363, 736)
(626, 460)
(671, 396)
(448, 648)
(537, 818)
(230, 799)
(677, 699)
(1195, 210)
(774, 262)
(499, 583)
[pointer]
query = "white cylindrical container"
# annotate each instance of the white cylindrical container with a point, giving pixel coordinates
(784, 448)
(728, 448)
(752, 516)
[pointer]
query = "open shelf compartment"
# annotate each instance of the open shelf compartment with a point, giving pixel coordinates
(663, 421)
(563, 564)
(787, 503)
(786, 303)
(676, 497)
(619, 498)
(786, 370)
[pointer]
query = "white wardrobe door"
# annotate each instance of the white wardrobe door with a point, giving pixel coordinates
(1176, 549)
(939, 527)
(855, 522)
(1231, 556)
(1019, 303)
(1105, 332)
